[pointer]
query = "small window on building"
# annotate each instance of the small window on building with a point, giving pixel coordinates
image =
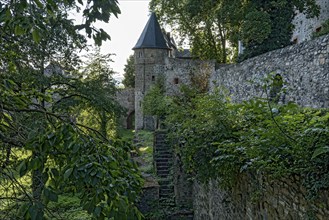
(153, 78)
(295, 40)
(140, 54)
(176, 81)
(318, 29)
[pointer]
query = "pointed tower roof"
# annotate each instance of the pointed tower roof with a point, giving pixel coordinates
(152, 36)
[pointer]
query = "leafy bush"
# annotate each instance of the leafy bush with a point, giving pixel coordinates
(217, 138)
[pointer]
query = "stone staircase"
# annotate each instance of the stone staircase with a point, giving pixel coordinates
(163, 159)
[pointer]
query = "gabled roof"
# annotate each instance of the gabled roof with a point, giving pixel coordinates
(152, 36)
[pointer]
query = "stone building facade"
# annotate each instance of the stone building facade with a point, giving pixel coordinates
(305, 27)
(304, 69)
(156, 55)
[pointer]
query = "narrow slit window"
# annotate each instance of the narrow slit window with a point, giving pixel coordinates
(153, 78)
(176, 81)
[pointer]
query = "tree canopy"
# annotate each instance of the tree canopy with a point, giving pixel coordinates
(129, 73)
(48, 146)
(213, 28)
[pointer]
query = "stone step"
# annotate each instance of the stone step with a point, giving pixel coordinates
(163, 175)
(163, 155)
(165, 172)
(162, 150)
(162, 160)
(162, 146)
(167, 187)
(160, 140)
(166, 192)
(164, 182)
(163, 167)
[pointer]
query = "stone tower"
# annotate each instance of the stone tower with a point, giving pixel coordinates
(151, 51)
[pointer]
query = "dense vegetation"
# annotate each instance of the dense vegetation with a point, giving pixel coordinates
(58, 115)
(219, 139)
(213, 28)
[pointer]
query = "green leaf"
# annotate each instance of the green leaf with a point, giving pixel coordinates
(67, 173)
(36, 35)
(23, 209)
(39, 4)
(22, 168)
(19, 30)
(97, 211)
(51, 195)
(320, 151)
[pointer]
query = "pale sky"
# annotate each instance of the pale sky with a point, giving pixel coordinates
(125, 31)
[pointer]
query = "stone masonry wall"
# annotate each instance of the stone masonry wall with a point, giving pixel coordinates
(258, 198)
(305, 27)
(180, 71)
(126, 99)
(147, 62)
(304, 67)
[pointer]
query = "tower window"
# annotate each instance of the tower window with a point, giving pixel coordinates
(153, 78)
(176, 81)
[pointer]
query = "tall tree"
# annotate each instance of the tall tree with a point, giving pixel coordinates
(267, 25)
(129, 73)
(208, 25)
(213, 27)
(98, 75)
(40, 93)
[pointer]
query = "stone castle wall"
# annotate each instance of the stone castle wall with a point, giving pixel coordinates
(180, 71)
(258, 198)
(305, 27)
(126, 99)
(304, 68)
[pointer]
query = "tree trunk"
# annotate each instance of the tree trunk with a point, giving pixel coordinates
(38, 185)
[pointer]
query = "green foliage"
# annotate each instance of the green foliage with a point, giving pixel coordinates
(324, 29)
(129, 75)
(33, 18)
(155, 102)
(268, 24)
(217, 138)
(210, 26)
(250, 28)
(43, 98)
(145, 151)
(103, 110)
